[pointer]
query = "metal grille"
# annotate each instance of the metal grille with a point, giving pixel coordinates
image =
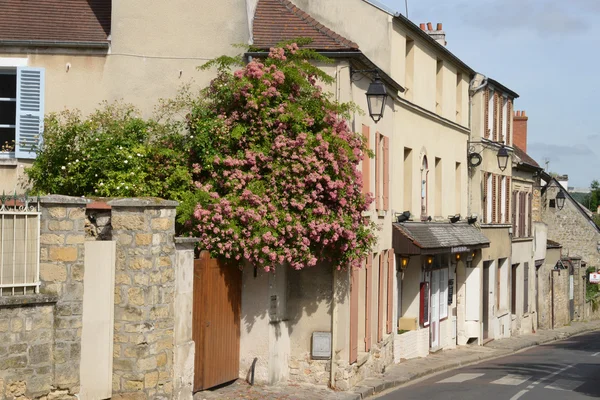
(19, 246)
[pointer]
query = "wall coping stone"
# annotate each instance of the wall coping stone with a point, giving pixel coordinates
(28, 300)
(60, 199)
(183, 240)
(143, 202)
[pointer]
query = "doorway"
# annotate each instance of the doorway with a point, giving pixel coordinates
(486, 299)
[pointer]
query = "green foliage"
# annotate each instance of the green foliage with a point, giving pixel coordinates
(112, 153)
(591, 290)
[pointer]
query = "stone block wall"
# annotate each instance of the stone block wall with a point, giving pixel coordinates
(144, 298)
(26, 346)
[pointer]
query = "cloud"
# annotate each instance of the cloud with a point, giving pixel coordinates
(579, 161)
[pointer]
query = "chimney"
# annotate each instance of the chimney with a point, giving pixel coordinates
(437, 34)
(520, 130)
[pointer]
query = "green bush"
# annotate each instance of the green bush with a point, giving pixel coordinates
(112, 153)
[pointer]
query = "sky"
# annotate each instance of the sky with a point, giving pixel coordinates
(548, 51)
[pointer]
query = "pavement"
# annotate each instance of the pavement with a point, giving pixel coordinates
(399, 375)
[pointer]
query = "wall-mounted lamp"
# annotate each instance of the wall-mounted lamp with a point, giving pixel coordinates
(472, 219)
(457, 257)
(376, 94)
(560, 199)
(403, 217)
(454, 218)
(429, 260)
(474, 158)
(404, 262)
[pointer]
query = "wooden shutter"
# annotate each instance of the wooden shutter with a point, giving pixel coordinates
(30, 111)
(390, 290)
(366, 161)
(529, 219)
(494, 198)
(495, 121)
(521, 214)
(368, 294)
(500, 118)
(514, 214)
(354, 289)
(486, 114)
(386, 173)
(509, 115)
(507, 204)
(378, 171)
(380, 309)
(525, 288)
(424, 304)
(485, 197)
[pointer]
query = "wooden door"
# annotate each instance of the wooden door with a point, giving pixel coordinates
(486, 299)
(216, 321)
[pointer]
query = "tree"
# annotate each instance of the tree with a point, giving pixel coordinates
(275, 166)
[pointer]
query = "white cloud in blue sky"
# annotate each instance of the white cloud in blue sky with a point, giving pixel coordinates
(548, 51)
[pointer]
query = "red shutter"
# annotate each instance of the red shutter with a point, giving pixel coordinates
(495, 121)
(386, 173)
(378, 171)
(424, 304)
(500, 205)
(369, 283)
(366, 161)
(485, 197)
(390, 290)
(494, 199)
(354, 289)
(486, 114)
(380, 309)
(507, 205)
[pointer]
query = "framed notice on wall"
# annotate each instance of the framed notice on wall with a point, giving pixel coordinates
(595, 277)
(424, 314)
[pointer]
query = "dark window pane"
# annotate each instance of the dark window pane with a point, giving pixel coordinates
(8, 85)
(7, 139)
(8, 112)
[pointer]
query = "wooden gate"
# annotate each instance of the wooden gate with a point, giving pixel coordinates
(216, 321)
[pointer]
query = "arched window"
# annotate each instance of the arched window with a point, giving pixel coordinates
(424, 187)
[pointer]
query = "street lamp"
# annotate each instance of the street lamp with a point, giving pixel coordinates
(376, 97)
(502, 158)
(560, 200)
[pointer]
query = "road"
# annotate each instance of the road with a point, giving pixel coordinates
(565, 370)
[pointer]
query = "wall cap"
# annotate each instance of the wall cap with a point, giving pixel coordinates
(183, 240)
(143, 202)
(60, 199)
(29, 300)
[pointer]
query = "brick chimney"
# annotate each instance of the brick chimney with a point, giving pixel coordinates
(437, 34)
(520, 130)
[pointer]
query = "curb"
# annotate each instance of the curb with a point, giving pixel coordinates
(372, 386)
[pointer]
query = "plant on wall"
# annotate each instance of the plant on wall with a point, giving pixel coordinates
(275, 166)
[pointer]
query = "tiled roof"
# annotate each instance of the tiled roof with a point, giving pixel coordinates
(279, 20)
(441, 235)
(55, 20)
(525, 157)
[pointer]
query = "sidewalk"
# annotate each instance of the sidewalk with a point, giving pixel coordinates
(402, 373)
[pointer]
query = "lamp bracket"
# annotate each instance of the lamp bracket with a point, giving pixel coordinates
(483, 144)
(363, 72)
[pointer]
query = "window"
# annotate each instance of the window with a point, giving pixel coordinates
(503, 199)
(424, 187)
(410, 67)
(438, 187)
(552, 203)
(491, 114)
(408, 182)
(444, 293)
(21, 111)
(504, 134)
(382, 173)
(439, 87)
(513, 286)
(489, 198)
(459, 97)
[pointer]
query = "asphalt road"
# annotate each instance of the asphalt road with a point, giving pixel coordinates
(565, 370)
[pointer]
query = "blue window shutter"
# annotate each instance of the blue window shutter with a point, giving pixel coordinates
(30, 111)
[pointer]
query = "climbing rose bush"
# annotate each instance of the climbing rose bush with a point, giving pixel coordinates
(275, 166)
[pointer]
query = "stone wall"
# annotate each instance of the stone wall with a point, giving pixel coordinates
(411, 344)
(571, 229)
(144, 298)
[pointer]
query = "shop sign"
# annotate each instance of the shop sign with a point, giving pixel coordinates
(595, 277)
(459, 249)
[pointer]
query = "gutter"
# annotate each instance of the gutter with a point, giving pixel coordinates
(55, 43)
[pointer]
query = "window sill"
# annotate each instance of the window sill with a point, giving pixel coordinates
(381, 213)
(522, 239)
(28, 300)
(6, 159)
(502, 313)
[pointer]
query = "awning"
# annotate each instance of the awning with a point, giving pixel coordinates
(414, 238)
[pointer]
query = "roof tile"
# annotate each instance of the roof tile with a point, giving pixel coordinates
(279, 20)
(55, 20)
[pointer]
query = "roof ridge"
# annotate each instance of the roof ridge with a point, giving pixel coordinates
(316, 24)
